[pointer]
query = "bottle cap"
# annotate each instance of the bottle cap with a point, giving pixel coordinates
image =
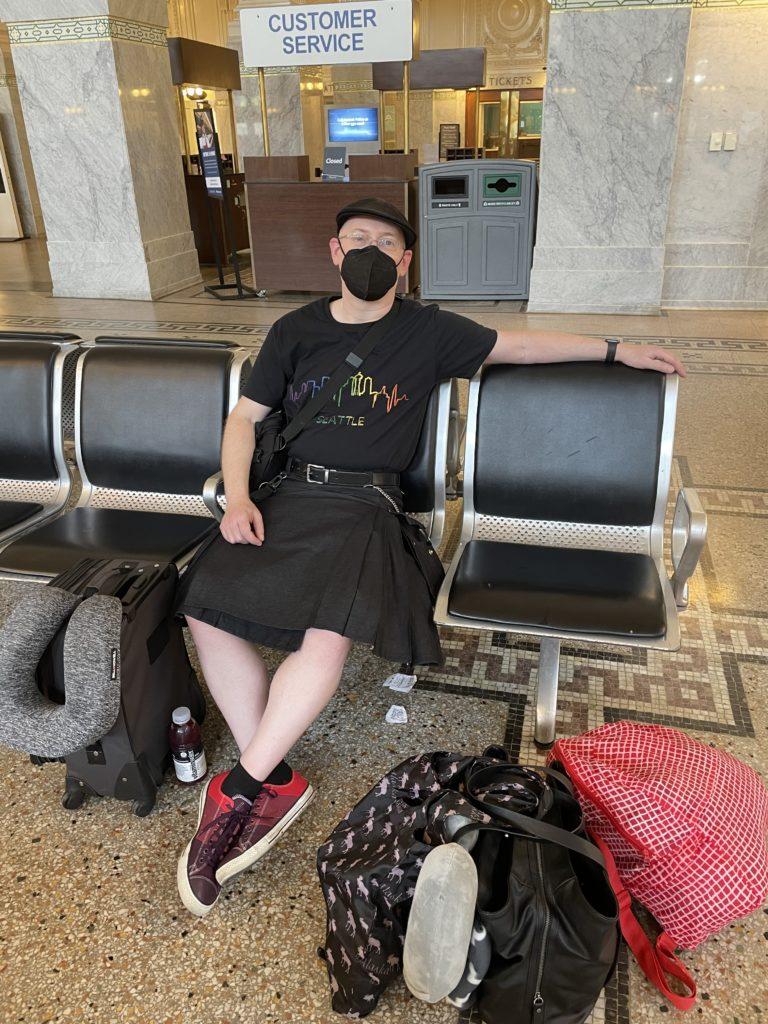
(181, 716)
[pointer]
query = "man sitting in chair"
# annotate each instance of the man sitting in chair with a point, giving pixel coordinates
(320, 561)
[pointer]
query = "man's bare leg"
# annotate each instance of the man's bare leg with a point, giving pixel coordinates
(236, 676)
(301, 688)
(235, 829)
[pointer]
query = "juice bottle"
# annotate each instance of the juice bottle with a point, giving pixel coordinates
(187, 747)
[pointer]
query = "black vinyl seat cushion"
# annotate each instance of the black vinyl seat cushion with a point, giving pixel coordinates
(600, 592)
(104, 533)
(13, 512)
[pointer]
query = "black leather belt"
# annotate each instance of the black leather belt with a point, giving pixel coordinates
(314, 474)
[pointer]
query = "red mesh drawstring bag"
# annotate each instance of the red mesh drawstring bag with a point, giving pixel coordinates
(684, 827)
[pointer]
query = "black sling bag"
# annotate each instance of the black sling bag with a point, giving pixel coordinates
(274, 433)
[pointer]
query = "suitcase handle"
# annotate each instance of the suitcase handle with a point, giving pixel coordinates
(111, 577)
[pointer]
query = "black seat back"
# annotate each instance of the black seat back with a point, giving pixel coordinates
(26, 405)
(418, 480)
(151, 413)
(569, 442)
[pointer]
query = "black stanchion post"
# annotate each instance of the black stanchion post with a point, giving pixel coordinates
(216, 188)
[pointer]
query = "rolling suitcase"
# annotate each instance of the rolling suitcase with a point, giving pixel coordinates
(149, 665)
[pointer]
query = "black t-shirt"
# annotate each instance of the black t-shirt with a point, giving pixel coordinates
(374, 420)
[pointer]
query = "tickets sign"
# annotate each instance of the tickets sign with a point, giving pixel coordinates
(340, 33)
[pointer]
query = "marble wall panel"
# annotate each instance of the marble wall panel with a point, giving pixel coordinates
(78, 145)
(285, 124)
(714, 194)
(718, 225)
(150, 123)
(614, 80)
(150, 12)
(758, 245)
(286, 133)
(103, 138)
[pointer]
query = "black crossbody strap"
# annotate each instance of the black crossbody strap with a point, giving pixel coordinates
(351, 364)
(536, 831)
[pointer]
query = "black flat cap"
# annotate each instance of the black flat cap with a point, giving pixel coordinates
(380, 209)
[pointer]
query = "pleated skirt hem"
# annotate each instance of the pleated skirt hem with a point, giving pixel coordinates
(333, 559)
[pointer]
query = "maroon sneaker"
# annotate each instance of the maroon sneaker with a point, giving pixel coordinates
(274, 810)
(220, 821)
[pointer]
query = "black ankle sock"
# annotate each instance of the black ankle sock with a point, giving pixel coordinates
(239, 781)
(280, 774)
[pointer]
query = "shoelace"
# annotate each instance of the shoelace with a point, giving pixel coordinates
(231, 823)
(257, 810)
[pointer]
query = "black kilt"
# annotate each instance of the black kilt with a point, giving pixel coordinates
(333, 558)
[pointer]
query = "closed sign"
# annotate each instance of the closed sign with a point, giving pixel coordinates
(342, 33)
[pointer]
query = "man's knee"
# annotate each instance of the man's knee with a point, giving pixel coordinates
(327, 646)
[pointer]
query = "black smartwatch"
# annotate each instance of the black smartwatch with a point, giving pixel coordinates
(610, 355)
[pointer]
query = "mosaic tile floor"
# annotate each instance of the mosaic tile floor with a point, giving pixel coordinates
(91, 928)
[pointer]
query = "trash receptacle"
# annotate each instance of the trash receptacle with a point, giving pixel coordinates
(477, 227)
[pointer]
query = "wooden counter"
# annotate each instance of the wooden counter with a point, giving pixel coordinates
(291, 223)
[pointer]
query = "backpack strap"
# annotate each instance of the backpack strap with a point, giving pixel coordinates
(656, 962)
(351, 364)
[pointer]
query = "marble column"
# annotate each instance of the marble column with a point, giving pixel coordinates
(286, 133)
(716, 253)
(609, 131)
(95, 88)
(16, 145)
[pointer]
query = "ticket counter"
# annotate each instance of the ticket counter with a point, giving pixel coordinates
(292, 218)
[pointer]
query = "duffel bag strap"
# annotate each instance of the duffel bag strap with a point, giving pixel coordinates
(656, 962)
(534, 830)
(562, 791)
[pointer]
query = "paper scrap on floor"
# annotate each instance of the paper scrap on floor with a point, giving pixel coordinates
(400, 682)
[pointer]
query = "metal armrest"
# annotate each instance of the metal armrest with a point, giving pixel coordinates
(213, 496)
(457, 426)
(689, 532)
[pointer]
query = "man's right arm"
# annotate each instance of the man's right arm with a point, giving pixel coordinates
(237, 447)
(242, 522)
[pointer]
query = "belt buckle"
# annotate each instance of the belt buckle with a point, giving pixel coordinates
(310, 467)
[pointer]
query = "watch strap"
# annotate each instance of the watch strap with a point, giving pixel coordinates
(610, 355)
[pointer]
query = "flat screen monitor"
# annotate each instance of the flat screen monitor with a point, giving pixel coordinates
(353, 124)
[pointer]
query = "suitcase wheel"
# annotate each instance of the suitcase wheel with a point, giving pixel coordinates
(141, 808)
(38, 760)
(74, 795)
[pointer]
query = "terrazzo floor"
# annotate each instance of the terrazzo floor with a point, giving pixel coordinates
(91, 927)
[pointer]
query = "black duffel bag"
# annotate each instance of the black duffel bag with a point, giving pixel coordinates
(544, 897)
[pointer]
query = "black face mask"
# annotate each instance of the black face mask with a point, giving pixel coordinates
(368, 273)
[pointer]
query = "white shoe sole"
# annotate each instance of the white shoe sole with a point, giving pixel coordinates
(440, 923)
(265, 844)
(188, 898)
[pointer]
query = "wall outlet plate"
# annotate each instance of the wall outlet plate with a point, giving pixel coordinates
(729, 141)
(715, 142)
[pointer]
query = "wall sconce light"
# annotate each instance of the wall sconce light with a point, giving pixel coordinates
(194, 92)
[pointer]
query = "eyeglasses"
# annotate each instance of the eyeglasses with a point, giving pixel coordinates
(359, 240)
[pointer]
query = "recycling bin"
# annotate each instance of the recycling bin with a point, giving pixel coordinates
(477, 228)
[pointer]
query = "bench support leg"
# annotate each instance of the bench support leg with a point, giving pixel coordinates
(546, 692)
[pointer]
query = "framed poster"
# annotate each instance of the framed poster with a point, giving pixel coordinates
(450, 138)
(210, 154)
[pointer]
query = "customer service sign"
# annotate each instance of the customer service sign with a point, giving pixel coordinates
(340, 33)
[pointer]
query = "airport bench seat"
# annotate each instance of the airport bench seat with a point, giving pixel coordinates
(566, 481)
(148, 423)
